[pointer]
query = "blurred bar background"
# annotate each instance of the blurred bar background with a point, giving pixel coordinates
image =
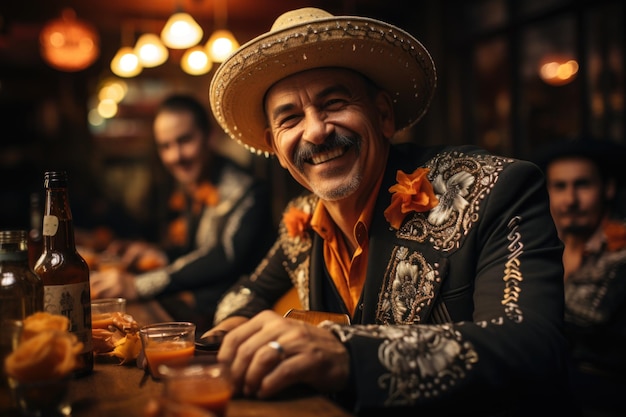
(512, 76)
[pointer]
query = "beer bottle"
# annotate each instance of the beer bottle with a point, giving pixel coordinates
(63, 270)
(21, 291)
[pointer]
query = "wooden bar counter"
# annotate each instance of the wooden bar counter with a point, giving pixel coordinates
(114, 390)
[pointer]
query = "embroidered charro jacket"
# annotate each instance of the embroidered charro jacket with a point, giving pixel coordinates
(463, 301)
(595, 307)
(225, 240)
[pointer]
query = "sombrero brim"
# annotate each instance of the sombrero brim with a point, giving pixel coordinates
(387, 55)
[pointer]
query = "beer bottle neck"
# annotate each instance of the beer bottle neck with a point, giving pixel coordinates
(58, 228)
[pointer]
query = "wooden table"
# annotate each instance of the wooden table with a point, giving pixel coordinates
(113, 390)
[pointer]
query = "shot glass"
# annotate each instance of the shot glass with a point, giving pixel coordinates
(101, 310)
(200, 381)
(47, 398)
(108, 305)
(167, 342)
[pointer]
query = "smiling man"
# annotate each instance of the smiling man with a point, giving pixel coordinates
(446, 259)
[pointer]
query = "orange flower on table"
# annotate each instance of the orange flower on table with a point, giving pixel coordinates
(296, 221)
(46, 350)
(412, 193)
(615, 233)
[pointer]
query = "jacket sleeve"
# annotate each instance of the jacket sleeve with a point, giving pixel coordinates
(244, 236)
(283, 268)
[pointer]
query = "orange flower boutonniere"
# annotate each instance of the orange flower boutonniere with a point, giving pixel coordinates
(615, 233)
(205, 195)
(413, 192)
(177, 231)
(177, 201)
(296, 221)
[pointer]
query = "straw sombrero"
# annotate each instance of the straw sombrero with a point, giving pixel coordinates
(309, 38)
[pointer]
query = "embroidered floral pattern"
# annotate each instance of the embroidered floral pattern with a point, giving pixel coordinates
(296, 221)
(233, 301)
(451, 193)
(413, 374)
(295, 242)
(460, 183)
(412, 193)
(410, 288)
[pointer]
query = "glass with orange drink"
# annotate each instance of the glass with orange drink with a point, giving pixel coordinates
(167, 342)
(200, 381)
(102, 310)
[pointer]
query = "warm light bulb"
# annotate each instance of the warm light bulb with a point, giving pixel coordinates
(221, 44)
(558, 70)
(181, 31)
(150, 50)
(107, 108)
(125, 63)
(195, 61)
(94, 118)
(114, 89)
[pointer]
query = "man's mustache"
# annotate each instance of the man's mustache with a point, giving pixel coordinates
(306, 150)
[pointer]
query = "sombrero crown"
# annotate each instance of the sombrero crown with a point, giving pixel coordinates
(309, 38)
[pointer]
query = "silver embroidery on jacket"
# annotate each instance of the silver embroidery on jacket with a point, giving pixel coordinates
(232, 301)
(512, 274)
(422, 361)
(410, 289)
(460, 182)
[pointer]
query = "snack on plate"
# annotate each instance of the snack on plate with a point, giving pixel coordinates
(46, 351)
(116, 335)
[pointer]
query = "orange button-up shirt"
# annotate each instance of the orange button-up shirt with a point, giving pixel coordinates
(346, 269)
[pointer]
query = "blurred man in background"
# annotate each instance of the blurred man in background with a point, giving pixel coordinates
(582, 183)
(220, 222)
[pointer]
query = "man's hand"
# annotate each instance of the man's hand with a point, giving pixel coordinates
(298, 353)
(112, 283)
(226, 325)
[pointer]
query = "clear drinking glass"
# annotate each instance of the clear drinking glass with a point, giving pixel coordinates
(201, 381)
(166, 342)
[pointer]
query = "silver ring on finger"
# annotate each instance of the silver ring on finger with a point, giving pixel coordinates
(277, 347)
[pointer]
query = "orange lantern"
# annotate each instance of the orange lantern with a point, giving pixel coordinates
(69, 44)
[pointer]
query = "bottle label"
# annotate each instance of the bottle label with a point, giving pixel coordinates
(50, 225)
(72, 301)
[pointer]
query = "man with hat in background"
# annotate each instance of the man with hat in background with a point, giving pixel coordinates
(582, 182)
(445, 259)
